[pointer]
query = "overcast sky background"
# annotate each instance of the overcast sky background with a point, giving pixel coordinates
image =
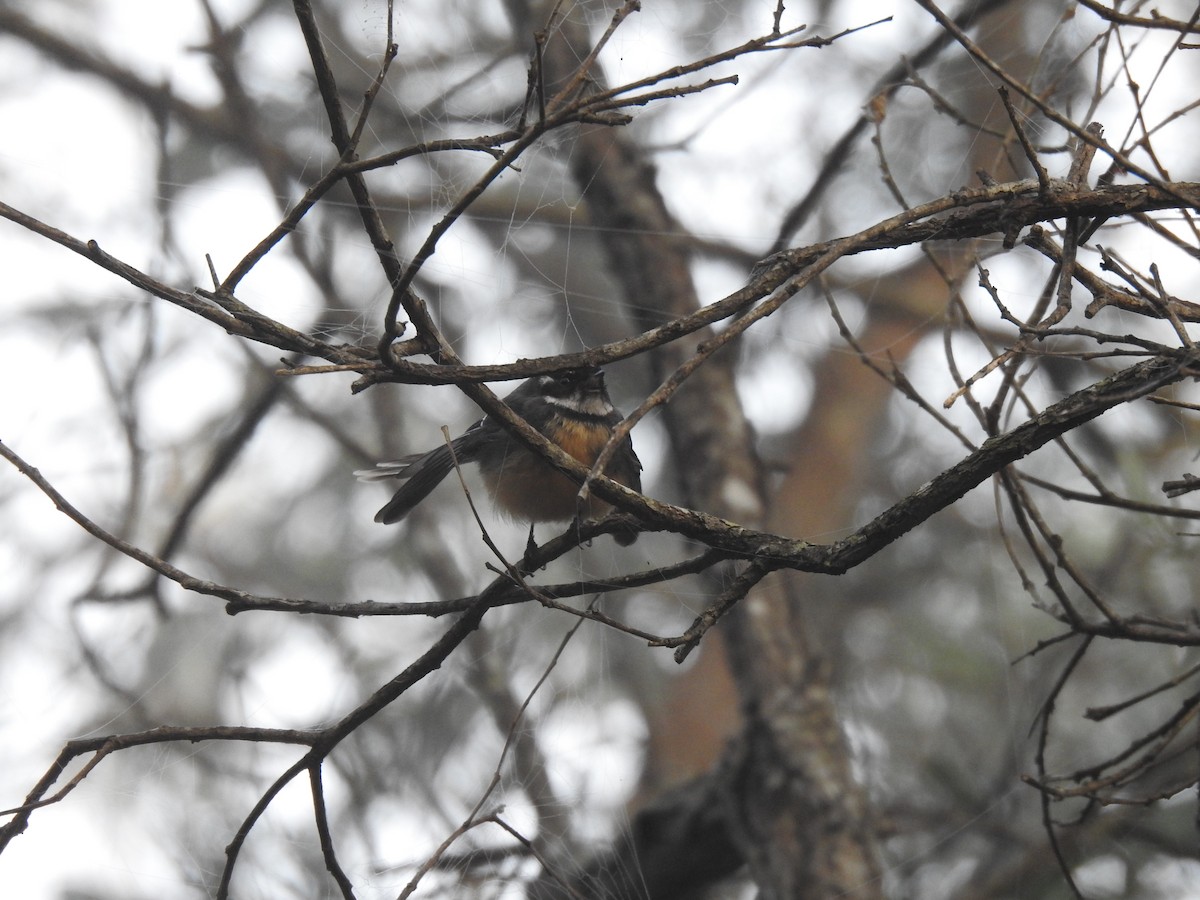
(81, 159)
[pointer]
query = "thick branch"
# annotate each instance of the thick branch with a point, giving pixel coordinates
(998, 452)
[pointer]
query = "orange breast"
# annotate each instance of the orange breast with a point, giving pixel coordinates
(527, 487)
(582, 440)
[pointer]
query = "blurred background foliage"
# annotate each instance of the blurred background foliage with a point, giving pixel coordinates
(175, 132)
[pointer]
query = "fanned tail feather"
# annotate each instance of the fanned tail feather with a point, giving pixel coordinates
(421, 474)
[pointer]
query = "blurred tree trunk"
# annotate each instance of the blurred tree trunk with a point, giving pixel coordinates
(799, 820)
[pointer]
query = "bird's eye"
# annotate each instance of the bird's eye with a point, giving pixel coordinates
(569, 381)
(576, 376)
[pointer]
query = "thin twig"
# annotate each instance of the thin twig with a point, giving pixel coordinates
(1026, 145)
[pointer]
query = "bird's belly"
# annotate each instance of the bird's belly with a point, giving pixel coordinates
(526, 487)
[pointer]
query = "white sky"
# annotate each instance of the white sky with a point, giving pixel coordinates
(82, 159)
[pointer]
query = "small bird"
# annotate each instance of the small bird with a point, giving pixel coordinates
(570, 408)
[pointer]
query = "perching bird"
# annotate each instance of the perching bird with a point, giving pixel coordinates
(570, 408)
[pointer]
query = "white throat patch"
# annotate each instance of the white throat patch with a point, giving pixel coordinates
(590, 405)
